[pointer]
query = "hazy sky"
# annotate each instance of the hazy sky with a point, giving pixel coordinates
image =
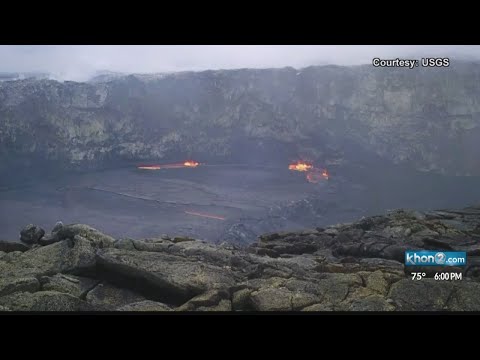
(75, 62)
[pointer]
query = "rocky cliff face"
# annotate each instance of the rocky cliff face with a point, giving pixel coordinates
(427, 118)
(346, 267)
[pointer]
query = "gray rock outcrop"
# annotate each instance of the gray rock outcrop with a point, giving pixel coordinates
(345, 267)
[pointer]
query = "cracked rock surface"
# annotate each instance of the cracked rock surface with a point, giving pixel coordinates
(345, 267)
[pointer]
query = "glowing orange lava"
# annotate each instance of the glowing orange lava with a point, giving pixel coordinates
(325, 174)
(314, 175)
(300, 166)
(149, 167)
(191, 163)
(188, 163)
(210, 216)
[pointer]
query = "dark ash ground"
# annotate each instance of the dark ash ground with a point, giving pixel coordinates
(127, 202)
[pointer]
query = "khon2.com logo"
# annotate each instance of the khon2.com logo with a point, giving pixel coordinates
(435, 258)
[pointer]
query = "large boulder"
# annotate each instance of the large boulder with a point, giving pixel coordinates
(332, 291)
(192, 249)
(424, 295)
(166, 278)
(57, 227)
(272, 299)
(30, 234)
(75, 256)
(53, 237)
(49, 239)
(89, 233)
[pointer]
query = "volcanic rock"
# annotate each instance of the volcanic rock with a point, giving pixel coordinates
(57, 227)
(168, 278)
(213, 300)
(44, 301)
(97, 238)
(18, 284)
(146, 305)
(346, 267)
(9, 246)
(111, 297)
(49, 239)
(69, 284)
(70, 256)
(31, 234)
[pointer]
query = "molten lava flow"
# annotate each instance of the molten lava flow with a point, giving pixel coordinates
(300, 166)
(325, 174)
(314, 175)
(191, 163)
(149, 167)
(204, 215)
(188, 163)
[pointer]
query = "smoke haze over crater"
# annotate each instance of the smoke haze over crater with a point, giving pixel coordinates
(80, 62)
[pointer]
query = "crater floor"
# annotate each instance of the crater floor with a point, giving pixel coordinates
(240, 202)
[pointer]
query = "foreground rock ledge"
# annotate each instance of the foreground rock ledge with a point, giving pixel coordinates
(346, 267)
